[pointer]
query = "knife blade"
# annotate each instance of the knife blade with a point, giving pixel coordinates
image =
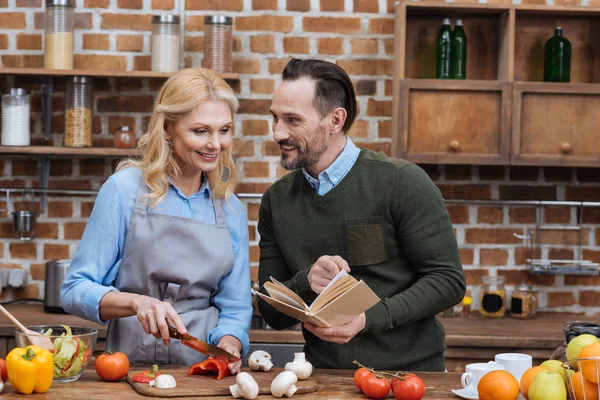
(202, 347)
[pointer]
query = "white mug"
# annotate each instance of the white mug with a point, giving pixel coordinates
(474, 372)
(515, 363)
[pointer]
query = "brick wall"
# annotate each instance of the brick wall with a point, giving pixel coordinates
(115, 34)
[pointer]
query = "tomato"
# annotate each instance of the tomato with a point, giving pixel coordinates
(409, 387)
(359, 376)
(374, 387)
(112, 366)
(3, 370)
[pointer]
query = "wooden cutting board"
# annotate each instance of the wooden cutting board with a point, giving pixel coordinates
(208, 385)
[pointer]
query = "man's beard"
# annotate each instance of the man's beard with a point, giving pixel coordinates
(305, 157)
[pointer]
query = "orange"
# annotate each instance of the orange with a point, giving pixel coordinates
(498, 385)
(591, 368)
(577, 391)
(527, 378)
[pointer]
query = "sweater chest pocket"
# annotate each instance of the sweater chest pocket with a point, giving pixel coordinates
(364, 241)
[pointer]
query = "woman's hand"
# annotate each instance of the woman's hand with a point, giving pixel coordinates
(154, 315)
(232, 345)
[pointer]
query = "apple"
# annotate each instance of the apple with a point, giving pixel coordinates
(576, 344)
(547, 385)
(556, 366)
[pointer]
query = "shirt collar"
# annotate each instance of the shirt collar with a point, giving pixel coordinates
(204, 189)
(339, 168)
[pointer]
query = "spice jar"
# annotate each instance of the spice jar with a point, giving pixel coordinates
(79, 98)
(492, 297)
(124, 137)
(15, 118)
(58, 37)
(165, 43)
(218, 43)
(523, 302)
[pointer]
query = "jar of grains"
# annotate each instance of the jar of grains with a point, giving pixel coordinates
(492, 297)
(58, 53)
(15, 118)
(79, 99)
(218, 43)
(124, 137)
(523, 302)
(165, 43)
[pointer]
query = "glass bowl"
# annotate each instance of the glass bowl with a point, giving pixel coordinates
(71, 354)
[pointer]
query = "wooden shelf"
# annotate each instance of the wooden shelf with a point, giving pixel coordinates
(562, 11)
(445, 9)
(71, 151)
(97, 73)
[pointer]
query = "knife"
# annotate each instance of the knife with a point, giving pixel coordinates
(202, 346)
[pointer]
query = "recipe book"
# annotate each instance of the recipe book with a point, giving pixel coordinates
(341, 301)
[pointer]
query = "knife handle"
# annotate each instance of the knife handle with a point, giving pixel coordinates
(174, 333)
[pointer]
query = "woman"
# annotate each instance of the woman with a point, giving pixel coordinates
(167, 241)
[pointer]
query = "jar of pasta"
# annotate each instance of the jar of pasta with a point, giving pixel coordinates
(58, 35)
(523, 302)
(79, 99)
(218, 43)
(492, 297)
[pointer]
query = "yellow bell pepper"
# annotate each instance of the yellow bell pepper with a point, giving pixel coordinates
(30, 369)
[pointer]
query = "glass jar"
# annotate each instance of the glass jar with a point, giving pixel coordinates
(124, 137)
(79, 99)
(58, 37)
(218, 43)
(15, 118)
(523, 302)
(492, 297)
(165, 43)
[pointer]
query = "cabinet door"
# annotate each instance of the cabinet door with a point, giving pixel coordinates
(556, 124)
(453, 122)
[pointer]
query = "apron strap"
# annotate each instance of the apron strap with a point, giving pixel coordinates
(141, 201)
(219, 212)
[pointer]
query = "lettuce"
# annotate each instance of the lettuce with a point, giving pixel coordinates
(69, 353)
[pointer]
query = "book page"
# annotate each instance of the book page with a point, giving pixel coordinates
(281, 288)
(335, 279)
(342, 285)
(284, 308)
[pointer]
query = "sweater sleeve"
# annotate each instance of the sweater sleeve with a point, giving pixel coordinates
(424, 228)
(272, 264)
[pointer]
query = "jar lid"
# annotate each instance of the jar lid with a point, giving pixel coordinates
(524, 287)
(19, 92)
(218, 20)
(79, 79)
(492, 279)
(67, 3)
(124, 128)
(165, 19)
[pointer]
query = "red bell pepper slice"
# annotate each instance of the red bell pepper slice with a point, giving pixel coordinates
(146, 376)
(209, 366)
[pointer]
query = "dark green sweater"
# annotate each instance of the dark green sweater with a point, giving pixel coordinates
(388, 220)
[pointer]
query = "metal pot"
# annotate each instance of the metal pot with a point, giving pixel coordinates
(56, 271)
(24, 222)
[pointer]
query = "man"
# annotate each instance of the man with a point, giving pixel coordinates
(381, 219)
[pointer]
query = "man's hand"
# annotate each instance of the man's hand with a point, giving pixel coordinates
(339, 334)
(233, 346)
(324, 270)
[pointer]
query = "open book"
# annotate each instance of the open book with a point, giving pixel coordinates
(340, 302)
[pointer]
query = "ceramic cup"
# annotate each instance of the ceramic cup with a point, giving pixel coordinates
(474, 373)
(515, 363)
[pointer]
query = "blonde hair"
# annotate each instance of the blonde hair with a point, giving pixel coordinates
(178, 96)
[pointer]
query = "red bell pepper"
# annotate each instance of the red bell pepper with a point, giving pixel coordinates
(209, 366)
(146, 376)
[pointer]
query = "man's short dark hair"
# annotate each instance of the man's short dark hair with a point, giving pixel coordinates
(333, 87)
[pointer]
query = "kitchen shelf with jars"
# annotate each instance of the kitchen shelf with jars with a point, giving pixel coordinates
(496, 83)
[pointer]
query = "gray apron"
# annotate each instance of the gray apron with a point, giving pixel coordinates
(174, 259)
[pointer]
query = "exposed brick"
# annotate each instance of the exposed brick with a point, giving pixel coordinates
(251, 233)
(253, 209)
(558, 174)
(264, 4)
(491, 173)
(490, 215)
(130, 4)
(29, 42)
(271, 148)
(592, 255)
(264, 23)
(588, 175)
(246, 65)
(366, 67)
(23, 251)
(29, 3)
(473, 276)
(60, 209)
(256, 169)
(577, 193)
(10, 265)
(364, 46)
(252, 187)
(513, 277)
(96, 3)
(493, 257)
(262, 86)
(366, 6)
(562, 237)
(381, 26)
(163, 4)
(298, 5)
(360, 129)
(523, 173)
(591, 215)
(93, 61)
(262, 44)
(557, 215)
(3, 3)
(259, 127)
(136, 22)
(130, 43)
(560, 254)
(71, 184)
(56, 251)
(332, 5)
(243, 148)
(388, 45)
(82, 20)
(281, 171)
(384, 129)
(74, 230)
(95, 41)
(391, 5)
(466, 256)
(296, 45)
(194, 43)
(527, 192)
(194, 23)
(478, 192)
(38, 272)
(12, 20)
(560, 299)
(576, 280)
(589, 298)
(384, 147)
(337, 25)
(217, 5)
(457, 172)
(522, 215)
(365, 87)
(24, 167)
(3, 42)
(22, 60)
(86, 209)
(380, 108)
(125, 104)
(459, 214)
(115, 123)
(254, 254)
(92, 166)
(31, 291)
(330, 46)
(254, 106)
(492, 235)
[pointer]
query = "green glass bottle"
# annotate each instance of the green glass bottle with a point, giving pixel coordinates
(444, 51)
(459, 51)
(557, 58)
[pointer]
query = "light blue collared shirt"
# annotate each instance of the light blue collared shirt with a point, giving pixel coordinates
(333, 175)
(94, 268)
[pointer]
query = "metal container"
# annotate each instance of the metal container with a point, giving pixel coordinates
(58, 38)
(24, 222)
(56, 271)
(15, 117)
(165, 43)
(218, 43)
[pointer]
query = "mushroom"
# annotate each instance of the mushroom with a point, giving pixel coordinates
(300, 366)
(260, 360)
(284, 384)
(164, 381)
(1, 386)
(245, 387)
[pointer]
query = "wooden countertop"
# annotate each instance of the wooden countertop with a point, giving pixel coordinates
(333, 384)
(543, 331)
